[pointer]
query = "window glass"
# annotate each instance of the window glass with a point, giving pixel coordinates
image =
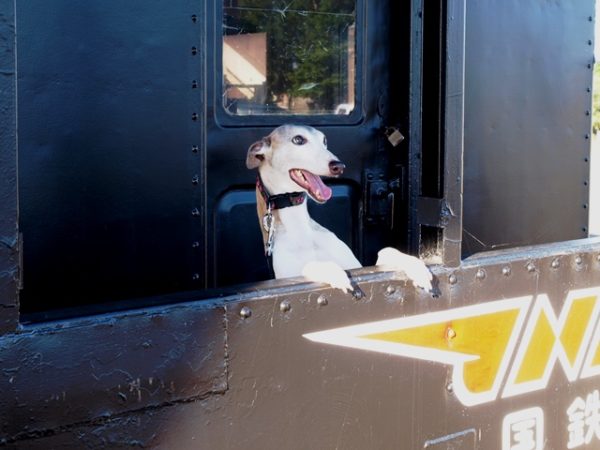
(289, 56)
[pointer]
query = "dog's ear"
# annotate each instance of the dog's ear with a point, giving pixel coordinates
(256, 153)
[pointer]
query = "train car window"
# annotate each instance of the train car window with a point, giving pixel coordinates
(296, 58)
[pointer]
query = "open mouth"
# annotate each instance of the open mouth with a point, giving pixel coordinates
(312, 183)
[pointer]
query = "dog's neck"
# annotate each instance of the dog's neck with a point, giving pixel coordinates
(292, 216)
(279, 200)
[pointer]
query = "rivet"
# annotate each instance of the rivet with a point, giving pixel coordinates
(588, 89)
(587, 112)
(450, 333)
(194, 84)
(285, 306)
(195, 212)
(590, 42)
(480, 275)
(590, 19)
(586, 159)
(194, 18)
(450, 388)
(585, 183)
(194, 50)
(555, 263)
(584, 229)
(589, 66)
(506, 271)
(195, 179)
(245, 312)
(322, 300)
(587, 135)
(390, 290)
(530, 267)
(578, 260)
(195, 244)
(194, 116)
(196, 276)
(194, 149)
(452, 279)
(370, 176)
(585, 206)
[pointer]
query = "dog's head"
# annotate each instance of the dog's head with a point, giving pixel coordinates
(292, 157)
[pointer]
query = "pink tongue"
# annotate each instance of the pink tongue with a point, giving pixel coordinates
(316, 187)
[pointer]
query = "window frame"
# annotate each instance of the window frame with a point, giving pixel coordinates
(225, 119)
(444, 213)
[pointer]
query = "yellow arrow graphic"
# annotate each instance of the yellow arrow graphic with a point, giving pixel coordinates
(476, 340)
(485, 337)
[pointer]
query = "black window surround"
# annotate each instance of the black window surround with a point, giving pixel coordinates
(454, 39)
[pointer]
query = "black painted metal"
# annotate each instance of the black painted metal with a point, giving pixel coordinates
(454, 82)
(437, 100)
(99, 367)
(528, 87)
(128, 169)
(193, 376)
(105, 160)
(9, 237)
(201, 374)
(360, 142)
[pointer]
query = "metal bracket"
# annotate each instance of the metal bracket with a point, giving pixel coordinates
(433, 212)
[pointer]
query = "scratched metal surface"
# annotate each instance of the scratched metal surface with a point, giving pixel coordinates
(284, 391)
(88, 370)
(355, 399)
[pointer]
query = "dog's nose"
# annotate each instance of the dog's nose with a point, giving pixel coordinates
(336, 168)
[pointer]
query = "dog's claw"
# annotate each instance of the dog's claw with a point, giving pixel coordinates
(357, 293)
(329, 273)
(415, 269)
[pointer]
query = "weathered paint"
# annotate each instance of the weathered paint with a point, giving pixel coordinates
(266, 386)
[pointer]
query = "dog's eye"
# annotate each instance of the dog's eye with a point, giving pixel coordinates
(299, 140)
(324, 141)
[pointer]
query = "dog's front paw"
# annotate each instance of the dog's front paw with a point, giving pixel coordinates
(329, 273)
(415, 269)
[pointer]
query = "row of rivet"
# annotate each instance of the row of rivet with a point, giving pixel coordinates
(195, 177)
(530, 267)
(586, 159)
(285, 306)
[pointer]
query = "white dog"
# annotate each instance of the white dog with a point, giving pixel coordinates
(290, 162)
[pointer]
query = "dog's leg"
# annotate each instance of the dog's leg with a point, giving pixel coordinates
(329, 273)
(415, 269)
